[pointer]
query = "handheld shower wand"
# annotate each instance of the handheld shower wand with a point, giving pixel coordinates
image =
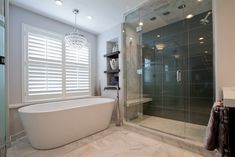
(119, 121)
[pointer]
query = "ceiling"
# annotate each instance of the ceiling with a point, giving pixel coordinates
(105, 13)
(156, 8)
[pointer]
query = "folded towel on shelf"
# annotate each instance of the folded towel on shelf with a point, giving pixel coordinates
(212, 130)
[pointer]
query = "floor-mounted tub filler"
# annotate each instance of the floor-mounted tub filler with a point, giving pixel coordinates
(55, 124)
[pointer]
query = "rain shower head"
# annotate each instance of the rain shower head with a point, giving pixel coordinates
(205, 21)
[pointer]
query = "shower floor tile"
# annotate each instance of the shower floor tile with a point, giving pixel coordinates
(177, 128)
(113, 142)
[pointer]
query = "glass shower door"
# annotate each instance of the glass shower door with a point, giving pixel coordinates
(165, 77)
(175, 78)
(3, 110)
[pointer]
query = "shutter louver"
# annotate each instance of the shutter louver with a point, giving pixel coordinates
(44, 66)
(77, 71)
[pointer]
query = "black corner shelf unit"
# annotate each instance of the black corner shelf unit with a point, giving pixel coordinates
(111, 88)
(112, 75)
(112, 71)
(112, 54)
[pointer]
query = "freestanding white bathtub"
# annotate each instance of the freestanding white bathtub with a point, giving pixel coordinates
(55, 124)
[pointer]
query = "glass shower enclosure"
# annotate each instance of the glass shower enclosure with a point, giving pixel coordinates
(169, 66)
(3, 107)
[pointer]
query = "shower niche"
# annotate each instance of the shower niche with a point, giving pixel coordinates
(112, 64)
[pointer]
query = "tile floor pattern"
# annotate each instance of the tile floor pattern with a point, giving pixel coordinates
(113, 142)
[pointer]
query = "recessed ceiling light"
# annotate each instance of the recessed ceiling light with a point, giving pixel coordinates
(199, 0)
(153, 18)
(206, 51)
(201, 42)
(58, 2)
(201, 38)
(182, 6)
(131, 38)
(158, 35)
(89, 17)
(141, 23)
(166, 13)
(189, 16)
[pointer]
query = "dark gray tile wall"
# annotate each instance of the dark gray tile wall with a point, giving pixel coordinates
(191, 99)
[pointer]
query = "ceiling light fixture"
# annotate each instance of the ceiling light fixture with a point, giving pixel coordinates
(201, 42)
(182, 6)
(158, 35)
(160, 46)
(141, 23)
(74, 39)
(199, 0)
(58, 2)
(153, 18)
(201, 38)
(189, 16)
(166, 13)
(205, 51)
(177, 56)
(89, 17)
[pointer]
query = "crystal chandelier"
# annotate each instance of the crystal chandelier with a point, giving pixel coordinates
(74, 39)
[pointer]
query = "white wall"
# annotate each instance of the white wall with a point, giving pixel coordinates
(101, 82)
(224, 32)
(18, 16)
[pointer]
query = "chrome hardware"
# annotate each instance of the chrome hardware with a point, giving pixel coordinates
(178, 76)
(2, 60)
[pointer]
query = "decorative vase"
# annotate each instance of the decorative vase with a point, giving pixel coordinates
(113, 64)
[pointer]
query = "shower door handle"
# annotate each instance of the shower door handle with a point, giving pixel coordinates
(2, 60)
(178, 76)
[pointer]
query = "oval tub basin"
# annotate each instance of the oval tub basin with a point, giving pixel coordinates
(55, 124)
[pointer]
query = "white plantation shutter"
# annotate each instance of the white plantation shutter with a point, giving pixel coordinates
(51, 70)
(43, 66)
(77, 69)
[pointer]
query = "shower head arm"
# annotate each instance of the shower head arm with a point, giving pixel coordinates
(208, 14)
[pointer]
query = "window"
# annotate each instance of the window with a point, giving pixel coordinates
(77, 71)
(51, 70)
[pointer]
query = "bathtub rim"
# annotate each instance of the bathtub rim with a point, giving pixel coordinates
(24, 111)
(28, 103)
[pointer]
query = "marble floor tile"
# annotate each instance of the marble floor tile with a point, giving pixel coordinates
(113, 142)
(174, 127)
